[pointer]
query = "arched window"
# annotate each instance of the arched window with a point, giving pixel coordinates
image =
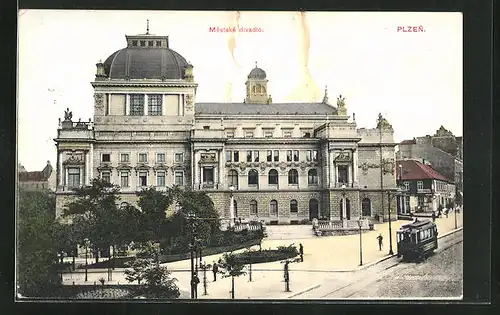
(366, 207)
(273, 177)
(263, 89)
(258, 88)
(232, 177)
(254, 89)
(294, 207)
(312, 177)
(293, 177)
(253, 207)
(313, 209)
(273, 208)
(253, 177)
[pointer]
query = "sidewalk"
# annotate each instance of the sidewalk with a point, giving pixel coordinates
(321, 254)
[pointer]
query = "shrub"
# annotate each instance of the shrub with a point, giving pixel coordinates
(267, 255)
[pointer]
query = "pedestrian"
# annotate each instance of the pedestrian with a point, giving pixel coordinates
(433, 216)
(380, 238)
(285, 275)
(301, 252)
(215, 269)
(194, 284)
(240, 219)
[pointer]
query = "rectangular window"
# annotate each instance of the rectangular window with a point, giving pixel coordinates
(295, 155)
(309, 156)
(208, 175)
(256, 156)
(268, 134)
(143, 178)
(136, 104)
(315, 156)
(73, 177)
(228, 156)
(343, 172)
(106, 157)
(160, 179)
(134, 43)
(160, 157)
(287, 134)
(236, 156)
(150, 43)
(158, 43)
(143, 157)
(407, 203)
(276, 156)
(179, 178)
(420, 185)
(124, 158)
(155, 104)
(179, 157)
(143, 43)
(307, 135)
(106, 177)
(124, 179)
(420, 200)
(249, 156)
(248, 134)
(230, 134)
(269, 155)
(289, 155)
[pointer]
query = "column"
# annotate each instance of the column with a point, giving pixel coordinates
(108, 104)
(61, 170)
(196, 170)
(222, 172)
(331, 166)
(350, 174)
(127, 104)
(65, 177)
(145, 104)
(355, 165)
(179, 108)
(91, 164)
(85, 178)
(163, 104)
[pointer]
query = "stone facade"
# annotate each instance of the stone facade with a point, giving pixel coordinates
(296, 158)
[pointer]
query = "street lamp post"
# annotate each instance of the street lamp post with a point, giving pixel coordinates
(360, 244)
(390, 224)
(231, 206)
(204, 267)
(401, 201)
(455, 210)
(343, 206)
(191, 248)
(86, 241)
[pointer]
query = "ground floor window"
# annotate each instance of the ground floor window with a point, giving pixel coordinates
(73, 177)
(294, 207)
(179, 178)
(124, 179)
(160, 179)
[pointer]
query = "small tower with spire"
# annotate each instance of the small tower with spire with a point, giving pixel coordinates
(325, 97)
(257, 87)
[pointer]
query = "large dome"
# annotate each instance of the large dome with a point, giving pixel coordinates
(257, 73)
(148, 62)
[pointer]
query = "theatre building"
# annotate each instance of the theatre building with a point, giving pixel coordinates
(283, 163)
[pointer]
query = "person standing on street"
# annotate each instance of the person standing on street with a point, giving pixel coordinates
(215, 269)
(301, 252)
(285, 275)
(380, 238)
(433, 216)
(194, 285)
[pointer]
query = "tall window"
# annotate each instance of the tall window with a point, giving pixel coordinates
(136, 104)
(293, 177)
(273, 177)
(249, 156)
(160, 179)
(233, 178)
(143, 157)
(295, 155)
(420, 185)
(143, 178)
(106, 176)
(179, 178)
(208, 175)
(124, 179)
(273, 208)
(315, 155)
(253, 207)
(256, 156)
(269, 155)
(309, 156)
(366, 207)
(228, 156)
(124, 158)
(312, 177)
(179, 157)
(276, 156)
(253, 177)
(294, 208)
(155, 104)
(160, 157)
(407, 203)
(236, 156)
(289, 155)
(343, 173)
(73, 177)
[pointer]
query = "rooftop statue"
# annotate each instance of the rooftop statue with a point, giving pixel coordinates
(382, 123)
(68, 115)
(341, 101)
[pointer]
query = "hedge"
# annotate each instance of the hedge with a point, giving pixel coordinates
(267, 255)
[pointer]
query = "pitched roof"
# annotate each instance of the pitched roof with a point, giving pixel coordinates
(415, 170)
(31, 177)
(265, 109)
(413, 141)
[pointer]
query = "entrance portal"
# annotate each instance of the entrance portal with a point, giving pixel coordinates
(347, 208)
(366, 207)
(313, 209)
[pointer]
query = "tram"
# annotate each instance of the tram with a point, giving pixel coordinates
(417, 239)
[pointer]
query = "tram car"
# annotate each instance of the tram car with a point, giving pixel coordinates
(417, 239)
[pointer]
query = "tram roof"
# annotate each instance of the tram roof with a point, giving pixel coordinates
(417, 224)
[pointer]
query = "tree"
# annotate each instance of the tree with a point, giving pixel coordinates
(97, 206)
(154, 205)
(232, 267)
(158, 282)
(36, 246)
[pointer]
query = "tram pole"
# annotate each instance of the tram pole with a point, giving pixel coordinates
(390, 226)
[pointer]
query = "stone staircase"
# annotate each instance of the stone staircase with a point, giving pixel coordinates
(289, 232)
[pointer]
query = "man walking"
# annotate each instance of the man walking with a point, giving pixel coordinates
(433, 216)
(194, 285)
(215, 269)
(301, 252)
(380, 238)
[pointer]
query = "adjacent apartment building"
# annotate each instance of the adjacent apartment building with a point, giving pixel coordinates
(282, 162)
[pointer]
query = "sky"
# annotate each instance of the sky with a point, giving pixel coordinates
(413, 78)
